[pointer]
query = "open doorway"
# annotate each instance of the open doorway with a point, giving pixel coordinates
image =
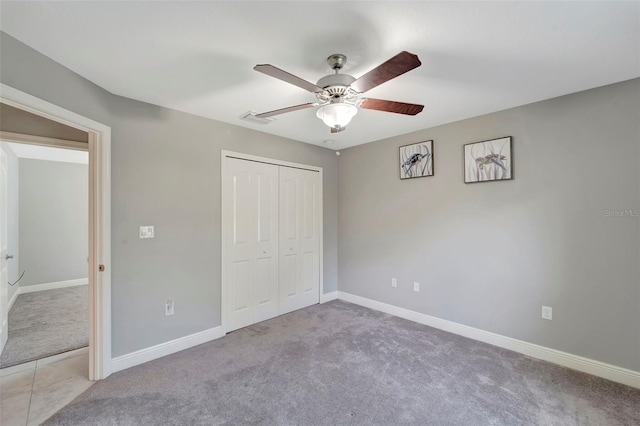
(44, 235)
(99, 282)
(62, 302)
(47, 232)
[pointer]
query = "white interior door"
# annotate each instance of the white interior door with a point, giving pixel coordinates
(4, 314)
(300, 194)
(250, 227)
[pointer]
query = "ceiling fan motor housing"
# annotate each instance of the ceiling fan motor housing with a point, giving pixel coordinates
(335, 80)
(336, 87)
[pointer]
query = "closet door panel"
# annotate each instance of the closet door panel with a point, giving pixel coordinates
(299, 242)
(289, 282)
(238, 192)
(266, 242)
(250, 224)
(241, 296)
(310, 241)
(242, 192)
(289, 206)
(309, 281)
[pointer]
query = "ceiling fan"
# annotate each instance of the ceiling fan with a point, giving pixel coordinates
(339, 95)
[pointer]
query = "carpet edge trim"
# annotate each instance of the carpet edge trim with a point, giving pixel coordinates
(163, 349)
(565, 359)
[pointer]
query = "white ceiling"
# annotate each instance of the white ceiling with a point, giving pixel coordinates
(197, 57)
(36, 152)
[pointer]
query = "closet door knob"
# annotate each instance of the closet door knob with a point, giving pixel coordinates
(8, 257)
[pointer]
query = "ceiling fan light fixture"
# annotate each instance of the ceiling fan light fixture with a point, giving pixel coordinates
(337, 115)
(339, 95)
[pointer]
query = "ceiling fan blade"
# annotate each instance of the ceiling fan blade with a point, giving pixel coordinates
(391, 106)
(337, 129)
(284, 110)
(398, 65)
(287, 77)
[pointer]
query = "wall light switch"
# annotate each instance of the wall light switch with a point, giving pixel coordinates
(547, 312)
(416, 286)
(146, 232)
(394, 282)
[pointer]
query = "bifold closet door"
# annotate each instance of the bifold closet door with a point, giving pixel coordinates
(250, 224)
(299, 239)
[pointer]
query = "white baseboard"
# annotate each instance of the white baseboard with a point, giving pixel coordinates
(328, 297)
(575, 362)
(13, 299)
(154, 352)
(52, 286)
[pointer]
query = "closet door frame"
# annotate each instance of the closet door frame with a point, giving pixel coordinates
(223, 243)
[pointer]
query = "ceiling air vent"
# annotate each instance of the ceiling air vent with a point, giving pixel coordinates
(250, 116)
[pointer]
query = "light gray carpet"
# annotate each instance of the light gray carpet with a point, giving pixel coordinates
(46, 323)
(339, 363)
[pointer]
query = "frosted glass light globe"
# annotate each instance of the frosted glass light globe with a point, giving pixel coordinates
(337, 115)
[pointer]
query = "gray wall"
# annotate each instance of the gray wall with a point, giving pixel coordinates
(13, 243)
(166, 173)
(54, 221)
(488, 255)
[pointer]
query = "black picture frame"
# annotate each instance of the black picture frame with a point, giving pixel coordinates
(488, 161)
(412, 163)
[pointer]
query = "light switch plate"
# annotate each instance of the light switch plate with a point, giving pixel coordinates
(146, 232)
(547, 312)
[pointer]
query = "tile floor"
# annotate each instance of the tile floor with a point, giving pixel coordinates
(31, 393)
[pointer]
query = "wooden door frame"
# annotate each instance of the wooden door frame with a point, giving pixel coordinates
(4, 292)
(241, 156)
(99, 149)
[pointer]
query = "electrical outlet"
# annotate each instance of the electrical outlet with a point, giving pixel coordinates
(547, 312)
(416, 286)
(394, 282)
(168, 309)
(146, 232)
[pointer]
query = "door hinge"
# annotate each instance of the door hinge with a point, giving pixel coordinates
(101, 268)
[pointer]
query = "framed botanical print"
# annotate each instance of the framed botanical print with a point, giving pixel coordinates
(488, 160)
(416, 160)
